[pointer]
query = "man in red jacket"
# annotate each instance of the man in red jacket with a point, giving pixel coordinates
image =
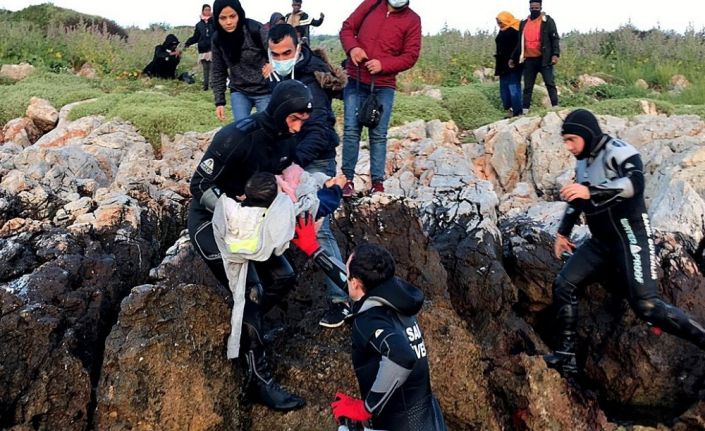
(381, 38)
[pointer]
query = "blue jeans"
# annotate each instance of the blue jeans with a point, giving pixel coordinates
(242, 104)
(352, 98)
(325, 234)
(510, 91)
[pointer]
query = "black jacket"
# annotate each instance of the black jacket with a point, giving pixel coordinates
(317, 139)
(305, 22)
(550, 41)
(237, 151)
(202, 34)
(506, 41)
(245, 75)
(390, 359)
(163, 64)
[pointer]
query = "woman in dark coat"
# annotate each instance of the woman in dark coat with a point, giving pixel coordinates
(202, 34)
(238, 53)
(509, 78)
(166, 57)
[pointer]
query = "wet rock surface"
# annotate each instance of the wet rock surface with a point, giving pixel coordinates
(109, 320)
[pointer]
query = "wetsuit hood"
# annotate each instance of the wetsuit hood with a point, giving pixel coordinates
(583, 123)
(396, 293)
(288, 97)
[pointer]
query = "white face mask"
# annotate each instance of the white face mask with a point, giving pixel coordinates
(396, 4)
(285, 67)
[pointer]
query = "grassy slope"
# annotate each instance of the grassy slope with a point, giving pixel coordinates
(156, 106)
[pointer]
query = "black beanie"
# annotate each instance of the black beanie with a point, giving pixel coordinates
(534, 1)
(583, 123)
(288, 97)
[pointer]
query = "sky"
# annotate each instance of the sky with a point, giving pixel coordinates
(466, 15)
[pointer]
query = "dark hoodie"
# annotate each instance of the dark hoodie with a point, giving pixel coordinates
(239, 55)
(258, 143)
(163, 64)
(390, 359)
(318, 138)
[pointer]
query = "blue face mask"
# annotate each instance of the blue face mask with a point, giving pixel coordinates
(285, 67)
(396, 4)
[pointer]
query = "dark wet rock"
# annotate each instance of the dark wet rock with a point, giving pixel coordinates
(165, 365)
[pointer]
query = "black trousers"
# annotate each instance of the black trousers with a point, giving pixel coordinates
(532, 67)
(268, 282)
(629, 261)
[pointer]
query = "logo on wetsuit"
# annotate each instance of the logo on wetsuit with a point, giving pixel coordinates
(413, 333)
(633, 246)
(652, 247)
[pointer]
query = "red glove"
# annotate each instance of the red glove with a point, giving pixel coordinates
(349, 407)
(305, 235)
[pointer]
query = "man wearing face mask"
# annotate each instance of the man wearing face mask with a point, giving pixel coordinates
(381, 39)
(538, 50)
(315, 144)
(262, 142)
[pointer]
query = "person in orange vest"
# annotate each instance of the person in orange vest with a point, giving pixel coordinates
(538, 51)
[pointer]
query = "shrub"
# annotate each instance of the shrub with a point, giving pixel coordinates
(629, 107)
(156, 113)
(612, 91)
(410, 108)
(59, 89)
(469, 107)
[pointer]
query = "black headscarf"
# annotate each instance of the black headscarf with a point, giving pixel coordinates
(230, 43)
(170, 42)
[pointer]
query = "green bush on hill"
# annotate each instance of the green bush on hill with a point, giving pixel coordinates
(156, 112)
(59, 89)
(47, 15)
(469, 107)
(410, 108)
(629, 107)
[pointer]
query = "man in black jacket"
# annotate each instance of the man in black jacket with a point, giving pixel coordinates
(202, 33)
(262, 142)
(538, 50)
(166, 57)
(609, 190)
(301, 21)
(388, 350)
(315, 144)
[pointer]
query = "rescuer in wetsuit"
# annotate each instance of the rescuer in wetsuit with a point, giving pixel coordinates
(262, 142)
(388, 350)
(609, 190)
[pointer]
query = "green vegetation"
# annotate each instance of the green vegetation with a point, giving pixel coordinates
(58, 42)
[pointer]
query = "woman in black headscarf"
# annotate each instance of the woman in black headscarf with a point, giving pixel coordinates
(240, 53)
(166, 57)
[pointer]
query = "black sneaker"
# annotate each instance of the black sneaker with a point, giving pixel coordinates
(335, 315)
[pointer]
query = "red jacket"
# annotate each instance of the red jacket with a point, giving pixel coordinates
(393, 38)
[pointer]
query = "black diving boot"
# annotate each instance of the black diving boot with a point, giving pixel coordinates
(262, 387)
(563, 358)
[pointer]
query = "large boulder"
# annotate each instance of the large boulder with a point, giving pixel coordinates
(16, 72)
(20, 131)
(42, 114)
(165, 365)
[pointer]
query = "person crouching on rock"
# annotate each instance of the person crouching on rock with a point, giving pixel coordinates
(388, 350)
(166, 57)
(262, 142)
(609, 190)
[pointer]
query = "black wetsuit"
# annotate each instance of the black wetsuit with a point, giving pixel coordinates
(238, 151)
(621, 245)
(390, 359)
